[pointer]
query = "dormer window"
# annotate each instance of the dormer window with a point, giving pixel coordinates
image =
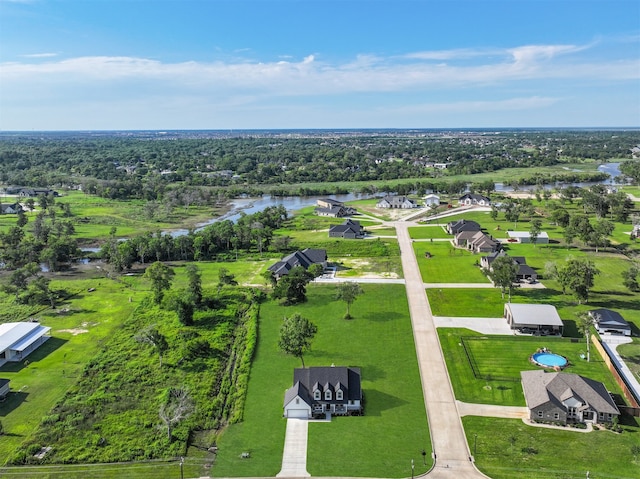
(327, 395)
(339, 395)
(317, 395)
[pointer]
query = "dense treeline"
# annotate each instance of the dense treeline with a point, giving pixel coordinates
(148, 166)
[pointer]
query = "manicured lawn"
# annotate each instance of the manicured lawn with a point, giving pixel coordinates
(498, 360)
(502, 450)
(431, 231)
(378, 340)
(447, 264)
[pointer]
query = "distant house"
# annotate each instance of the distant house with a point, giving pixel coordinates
(565, 398)
(349, 229)
(476, 241)
(610, 322)
(317, 391)
(397, 202)
(635, 233)
(525, 237)
(432, 200)
(304, 258)
(4, 388)
(525, 272)
(334, 212)
(474, 199)
(10, 209)
(455, 227)
(35, 192)
(334, 208)
(542, 319)
(18, 340)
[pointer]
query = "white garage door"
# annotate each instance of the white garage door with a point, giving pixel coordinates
(298, 413)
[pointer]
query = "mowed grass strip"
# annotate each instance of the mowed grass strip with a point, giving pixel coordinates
(508, 448)
(430, 231)
(379, 340)
(447, 264)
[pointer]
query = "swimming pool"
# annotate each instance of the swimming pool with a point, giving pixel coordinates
(549, 360)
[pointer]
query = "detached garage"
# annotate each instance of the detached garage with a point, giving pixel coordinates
(539, 319)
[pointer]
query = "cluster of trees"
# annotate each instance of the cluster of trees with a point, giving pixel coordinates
(144, 166)
(249, 232)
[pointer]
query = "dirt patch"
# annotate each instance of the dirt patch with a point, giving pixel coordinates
(74, 332)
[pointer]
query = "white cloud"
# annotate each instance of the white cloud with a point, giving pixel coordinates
(40, 55)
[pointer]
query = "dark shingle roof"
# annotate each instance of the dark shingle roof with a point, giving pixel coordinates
(345, 378)
(609, 318)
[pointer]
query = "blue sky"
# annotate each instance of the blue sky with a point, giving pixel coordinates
(234, 64)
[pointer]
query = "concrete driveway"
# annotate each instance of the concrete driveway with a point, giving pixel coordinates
(294, 456)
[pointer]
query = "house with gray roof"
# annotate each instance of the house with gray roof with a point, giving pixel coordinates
(396, 202)
(476, 241)
(10, 208)
(474, 199)
(608, 321)
(455, 227)
(539, 319)
(317, 391)
(566, 398)
(333, 208)
(18, 340)
(349, 229)
(304, 258)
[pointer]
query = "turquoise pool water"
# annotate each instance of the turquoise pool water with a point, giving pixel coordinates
(549, 360)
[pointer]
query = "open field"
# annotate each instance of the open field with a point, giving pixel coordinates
(427, 232)
(447, 264)
(380, 342)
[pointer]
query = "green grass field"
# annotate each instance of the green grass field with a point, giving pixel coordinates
(447, 264)
(378, 340)
(427, 232)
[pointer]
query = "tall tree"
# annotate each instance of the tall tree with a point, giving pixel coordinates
(585, 322)
(194, 283)
(225, 278)
(161, 277)
(579, 275)
(535, 230)
(630, 278)
(348, 292)
(296, 334)
(503, 274)
(293, 286)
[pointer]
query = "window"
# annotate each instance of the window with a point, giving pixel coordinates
(556, 415)
(339, 394)
(327, 395)
(297, 400)
(317, 395)
(540, 414)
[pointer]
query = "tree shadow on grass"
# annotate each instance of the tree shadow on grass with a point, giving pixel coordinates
(381, 316)
(12, 401)
(42, 352)
(377, 401)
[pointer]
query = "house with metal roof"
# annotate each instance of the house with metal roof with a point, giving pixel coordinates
(525, 237)
(542, 319)
(564, 398)
(318, 391)
(608, 321)
(18, 340)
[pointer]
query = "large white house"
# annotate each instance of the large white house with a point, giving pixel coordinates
(18, 340)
